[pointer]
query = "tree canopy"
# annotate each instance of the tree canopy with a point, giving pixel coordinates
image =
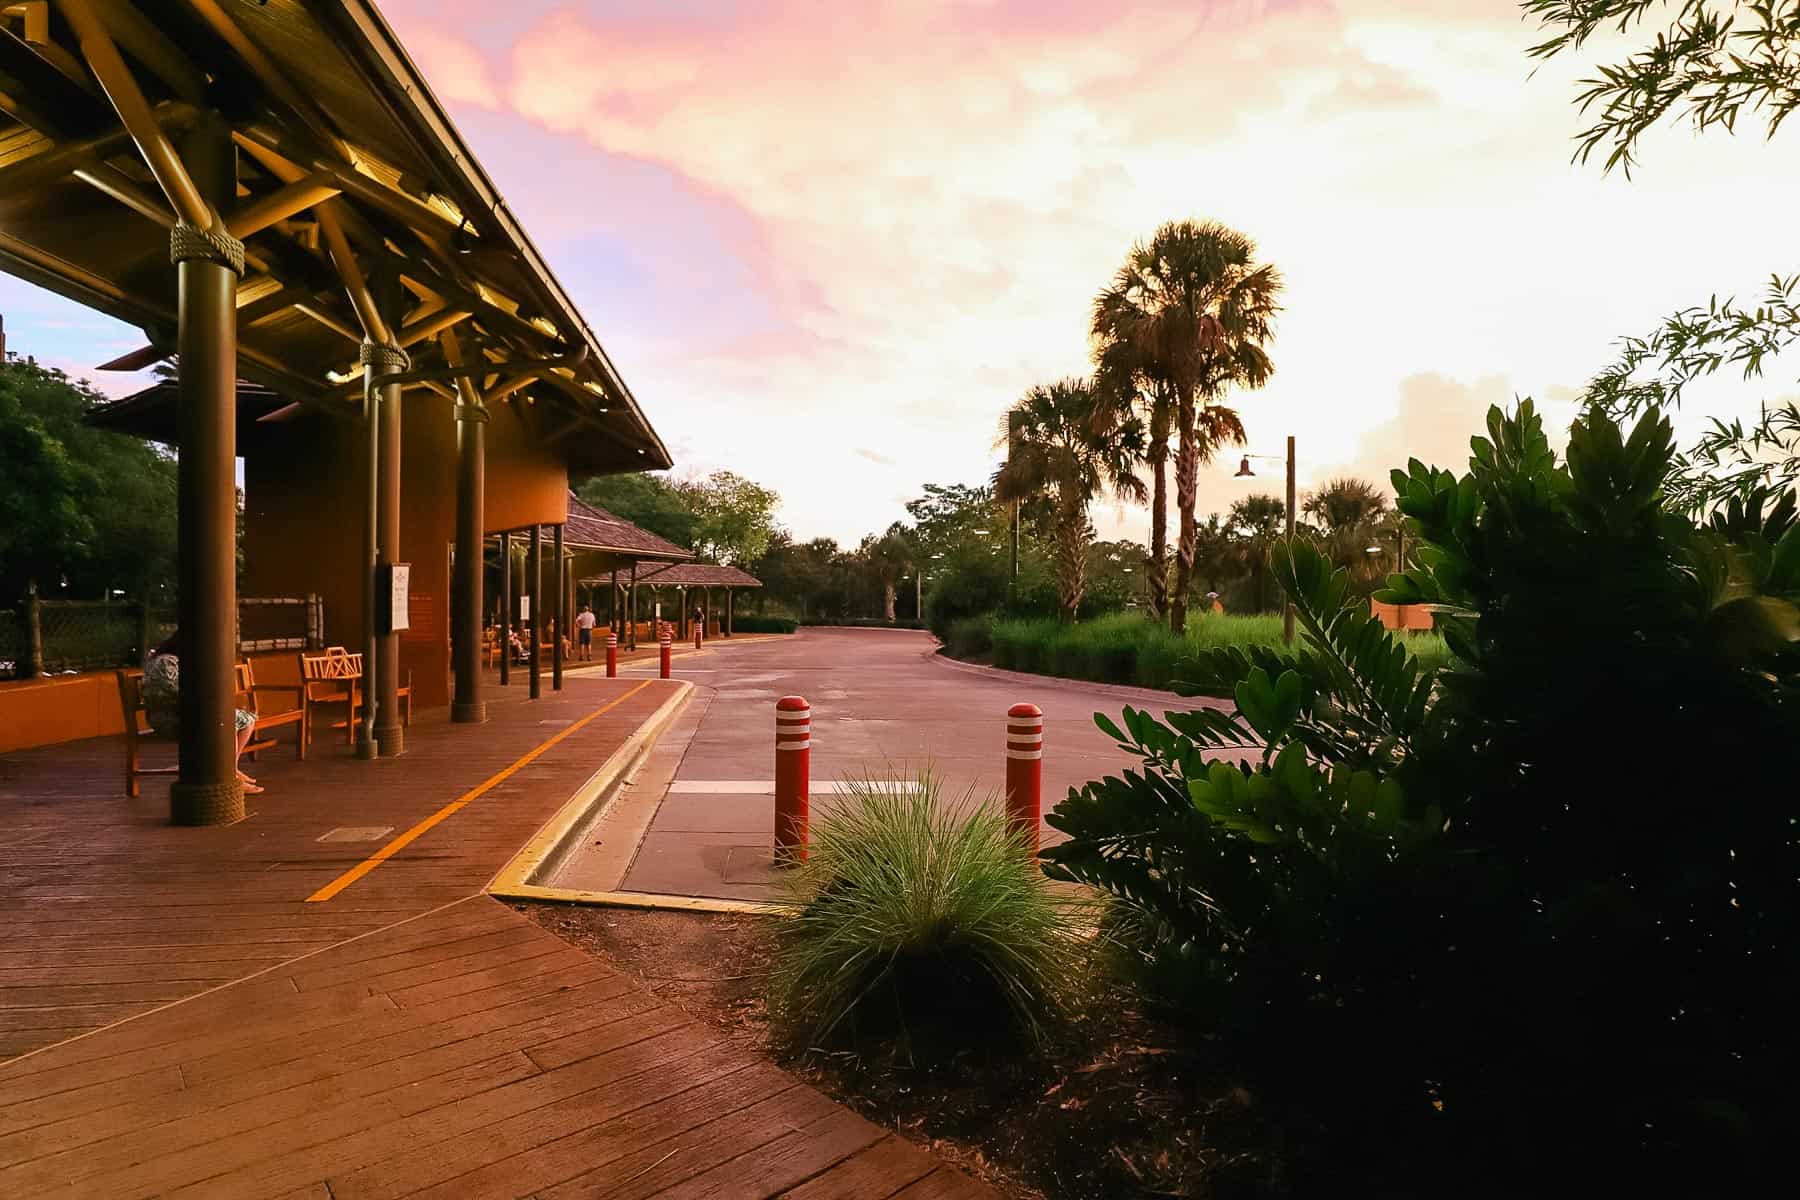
(96, 509)
(646, 500)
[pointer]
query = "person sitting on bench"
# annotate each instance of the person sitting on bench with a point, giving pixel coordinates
(162, 690)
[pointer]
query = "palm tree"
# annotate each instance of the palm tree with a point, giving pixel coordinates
(1055, 449)
(1195, 311)
(1349, 514)
(1130, 384)
(1255, 522)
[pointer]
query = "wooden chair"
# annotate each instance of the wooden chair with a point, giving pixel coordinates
(331, 678)
(490, 646)
(248, 693)
(137, 729)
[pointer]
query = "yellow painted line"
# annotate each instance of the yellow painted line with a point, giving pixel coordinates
(469, 797)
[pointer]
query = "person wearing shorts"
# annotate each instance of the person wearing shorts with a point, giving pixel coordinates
(584, 631)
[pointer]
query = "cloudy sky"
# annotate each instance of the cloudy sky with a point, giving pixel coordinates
(828, 243)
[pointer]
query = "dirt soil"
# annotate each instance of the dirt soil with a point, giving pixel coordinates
(1124, 1105)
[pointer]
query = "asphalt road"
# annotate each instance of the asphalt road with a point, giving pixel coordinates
(883, 704)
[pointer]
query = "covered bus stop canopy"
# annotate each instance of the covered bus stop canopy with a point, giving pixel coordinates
(269, 191)
(700, 580)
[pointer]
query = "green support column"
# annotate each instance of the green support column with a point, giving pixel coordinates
(508, 606)
(534, 580)
(562, 610)
(208, 265)
(390, 735)
(471, 482)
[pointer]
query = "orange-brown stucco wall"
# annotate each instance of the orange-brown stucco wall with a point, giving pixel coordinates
(305, 494)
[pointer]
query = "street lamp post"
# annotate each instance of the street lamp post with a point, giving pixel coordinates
(1244, 472)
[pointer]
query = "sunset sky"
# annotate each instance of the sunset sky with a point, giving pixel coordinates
(828, 243)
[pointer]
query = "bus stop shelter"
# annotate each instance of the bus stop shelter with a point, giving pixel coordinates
(271, 193)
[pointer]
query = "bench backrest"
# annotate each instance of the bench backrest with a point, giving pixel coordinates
(131, 701)
(329, 669)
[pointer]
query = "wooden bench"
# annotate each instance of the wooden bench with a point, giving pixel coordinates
(137, 729)
(331, 678)
(335, 677)
(248, 693)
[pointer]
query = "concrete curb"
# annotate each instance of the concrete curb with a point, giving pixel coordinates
(1143, 696)
(547, 848)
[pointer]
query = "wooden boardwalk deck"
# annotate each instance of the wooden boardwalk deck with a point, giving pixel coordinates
(181, 1021)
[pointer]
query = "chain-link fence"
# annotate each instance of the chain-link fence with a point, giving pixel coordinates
(13, 644)
(76, 636)
(56, 637)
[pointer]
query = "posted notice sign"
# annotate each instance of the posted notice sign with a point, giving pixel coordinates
(392, 590)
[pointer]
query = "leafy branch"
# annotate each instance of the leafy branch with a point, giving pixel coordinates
(1731, 458)
(1712, 62)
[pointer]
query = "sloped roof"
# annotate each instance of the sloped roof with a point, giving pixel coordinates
(591, 528)
(699, 575)
(339, 137)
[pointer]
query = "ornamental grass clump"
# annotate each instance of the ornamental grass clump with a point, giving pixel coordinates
(921, 922)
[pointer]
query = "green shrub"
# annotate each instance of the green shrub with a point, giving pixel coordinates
(764, 625)
(1531, 916)
(920, 921)
(965, 587)
(969, 637)
(1129, 648)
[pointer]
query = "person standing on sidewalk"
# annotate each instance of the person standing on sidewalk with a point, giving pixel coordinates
(584, 631)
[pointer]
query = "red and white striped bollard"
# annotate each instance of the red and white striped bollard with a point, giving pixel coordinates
(1025, 771)
(668, 645)
(793, 769)
(699, 628)
(612, 654)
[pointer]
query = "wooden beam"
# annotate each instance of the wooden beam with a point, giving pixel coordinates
(49, 99)
(432, 325)
(285, 201)
(134, 112)
(150, 46)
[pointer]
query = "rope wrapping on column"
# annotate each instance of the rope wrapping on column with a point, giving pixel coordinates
(190, 242)
(373, 354)
(470, 412)
(207, 803)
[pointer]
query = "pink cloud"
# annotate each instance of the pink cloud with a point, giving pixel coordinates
(878, 223)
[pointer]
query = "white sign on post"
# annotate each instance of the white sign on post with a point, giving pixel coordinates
(659, 610)
(399, 581)
(524, 608)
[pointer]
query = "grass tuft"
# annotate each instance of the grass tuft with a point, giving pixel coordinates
(921, 922)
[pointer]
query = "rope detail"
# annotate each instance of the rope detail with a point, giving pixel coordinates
(391, 357)
(190, 242)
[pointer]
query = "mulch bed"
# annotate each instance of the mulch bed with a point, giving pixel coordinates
(1123, 1104)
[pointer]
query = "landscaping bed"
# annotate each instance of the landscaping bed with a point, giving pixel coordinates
(1126, 648)
(1127, 1105)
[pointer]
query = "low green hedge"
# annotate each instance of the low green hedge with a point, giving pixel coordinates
(763, 625)
(969, 637)
(863, 623)
(1126, 647)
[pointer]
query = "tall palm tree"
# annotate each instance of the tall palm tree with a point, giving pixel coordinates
(1054, 448)
(1196, 310)
(1130, 385)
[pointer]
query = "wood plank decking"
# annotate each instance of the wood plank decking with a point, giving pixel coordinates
(187, 1024)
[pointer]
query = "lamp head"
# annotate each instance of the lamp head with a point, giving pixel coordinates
(1244, 471)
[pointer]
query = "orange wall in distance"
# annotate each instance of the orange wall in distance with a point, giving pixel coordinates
(42, 712)
(1411, 617)
(304, 498)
